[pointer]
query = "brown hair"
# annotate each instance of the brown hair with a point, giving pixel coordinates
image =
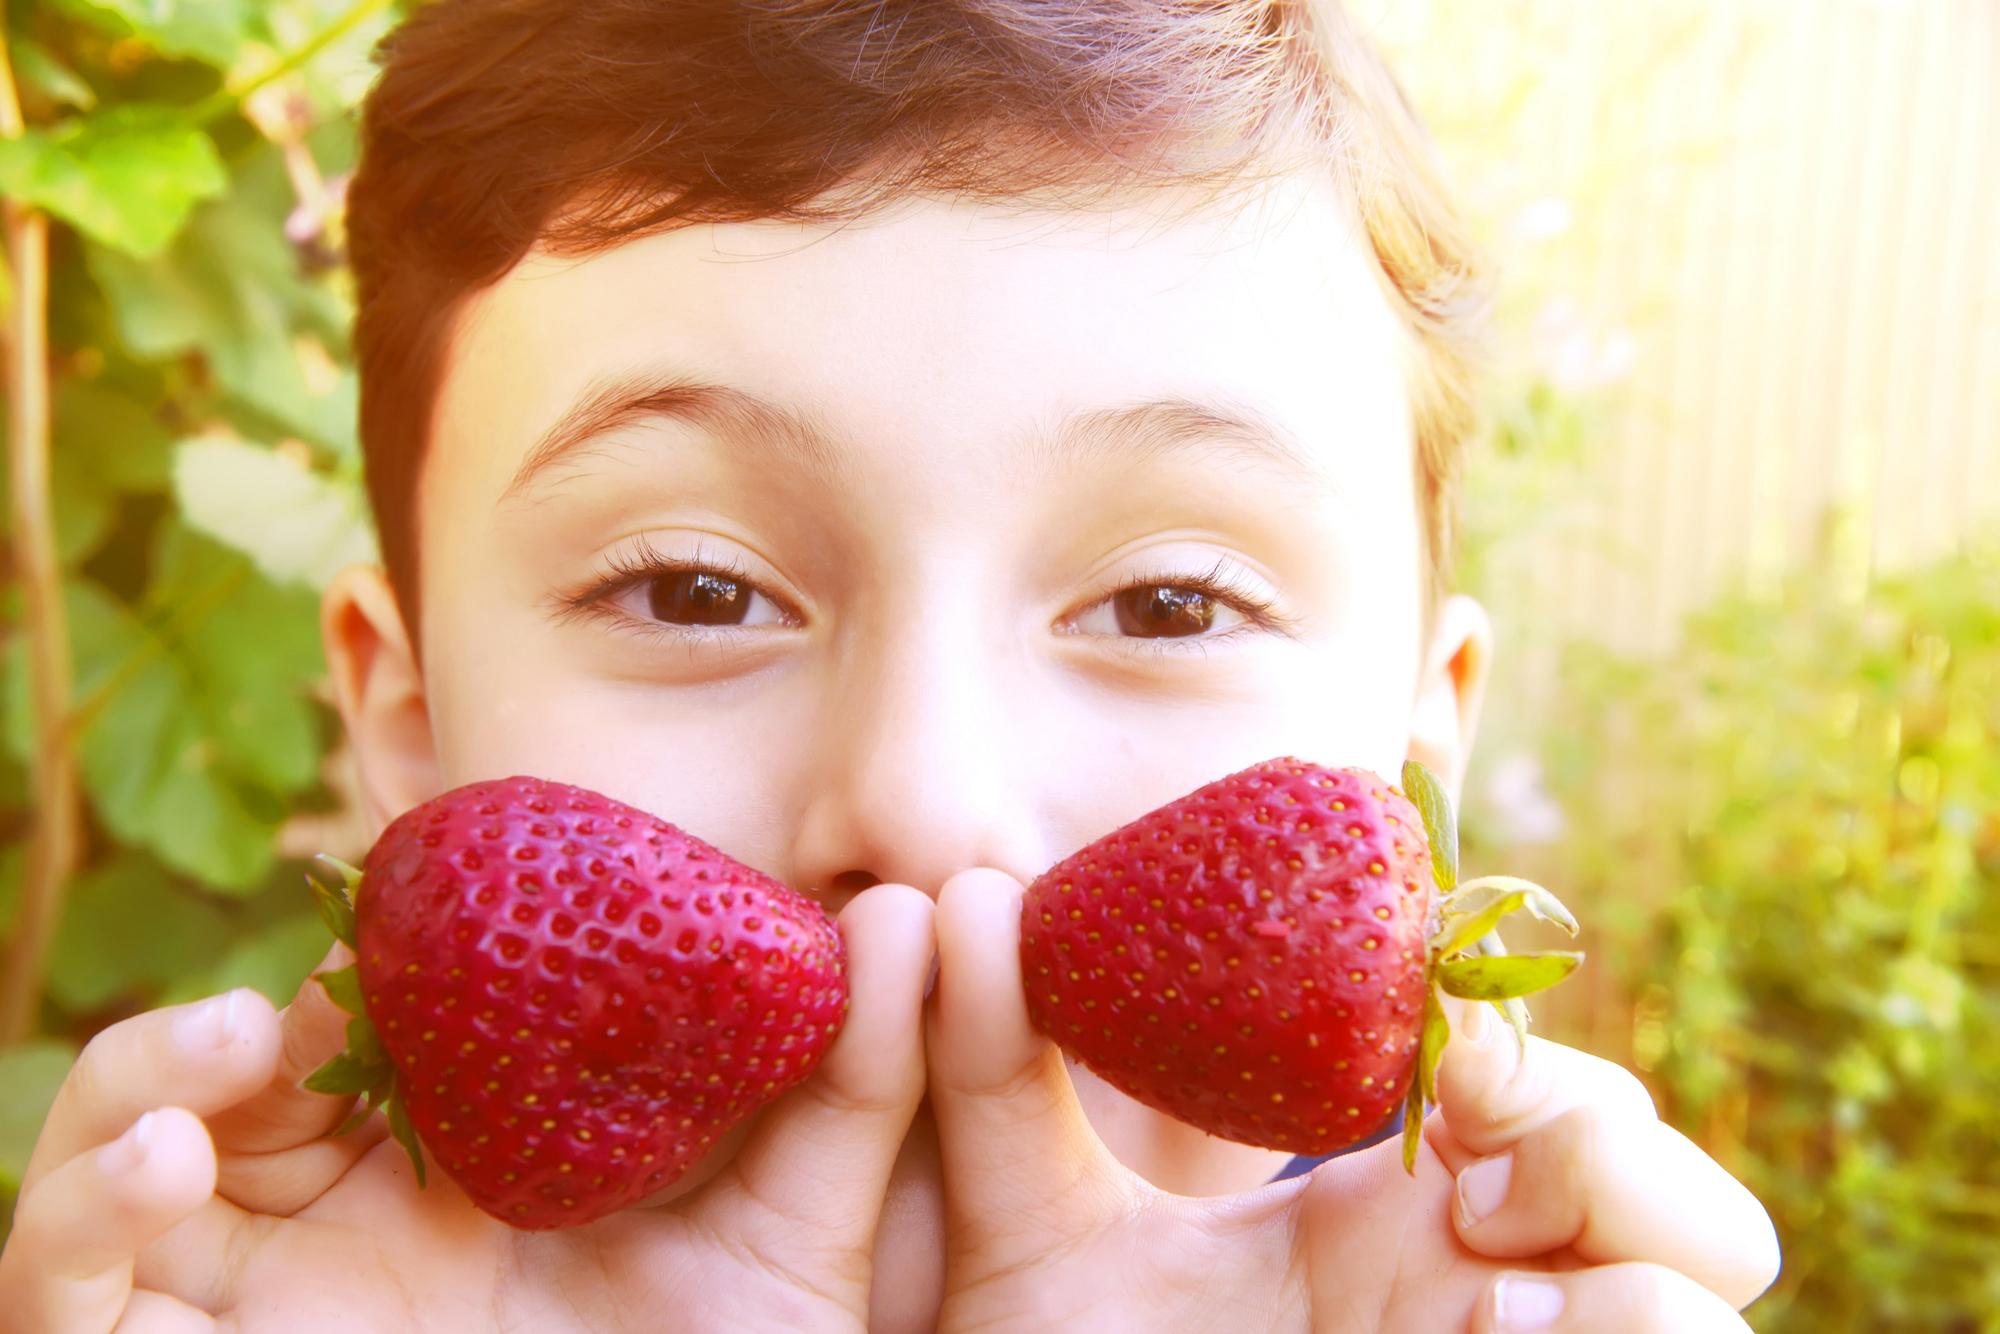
(500, 125)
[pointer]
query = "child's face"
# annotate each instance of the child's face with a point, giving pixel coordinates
(951, 610)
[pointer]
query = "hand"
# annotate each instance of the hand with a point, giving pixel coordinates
(183, 1183)
(1607, 1219)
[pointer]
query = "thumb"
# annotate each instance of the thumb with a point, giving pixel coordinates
(270, 1152)
(820, 1157)
(284, 1115)
(1024, 1171)
(1495, 1089)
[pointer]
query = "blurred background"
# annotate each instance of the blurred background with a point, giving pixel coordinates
(1735, 519)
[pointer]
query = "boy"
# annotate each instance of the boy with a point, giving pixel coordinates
(899, 443)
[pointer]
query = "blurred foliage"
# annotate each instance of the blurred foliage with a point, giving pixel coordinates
(1793, 823)
(206, 481)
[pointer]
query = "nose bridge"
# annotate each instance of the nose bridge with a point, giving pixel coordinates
(916, 780)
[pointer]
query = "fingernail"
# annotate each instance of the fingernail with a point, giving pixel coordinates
(127, 1151)
(1482, 1186)
(1476, 1029)
(1521, 1304)
(207, 1027)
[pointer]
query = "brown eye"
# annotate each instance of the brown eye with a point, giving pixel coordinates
(698, 597)
(1162, 611)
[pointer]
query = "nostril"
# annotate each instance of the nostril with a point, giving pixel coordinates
(853, 882)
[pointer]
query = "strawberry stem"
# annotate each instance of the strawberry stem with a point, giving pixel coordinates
(1465, 956)
(363, 1068)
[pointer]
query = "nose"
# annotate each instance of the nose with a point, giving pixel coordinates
(916, 773)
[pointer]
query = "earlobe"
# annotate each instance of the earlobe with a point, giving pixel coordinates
(380, 692)
(1451, 687)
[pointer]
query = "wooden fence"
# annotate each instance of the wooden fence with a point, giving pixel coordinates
(1772, 227)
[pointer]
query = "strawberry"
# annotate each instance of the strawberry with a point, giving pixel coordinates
(567, 1000)
(1262, 957)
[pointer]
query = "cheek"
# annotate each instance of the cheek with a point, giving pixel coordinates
(709, 762)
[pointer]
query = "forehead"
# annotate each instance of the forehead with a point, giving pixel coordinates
(949, 328)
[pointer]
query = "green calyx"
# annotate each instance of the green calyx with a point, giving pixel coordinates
(362, 1070)
(1464, 956)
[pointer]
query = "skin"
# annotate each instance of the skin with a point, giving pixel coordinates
(933, 699)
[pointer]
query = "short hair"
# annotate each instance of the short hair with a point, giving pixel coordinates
(499, 126)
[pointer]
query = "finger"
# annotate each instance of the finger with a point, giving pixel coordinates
(1021, 1162)
(1494, 1089)
(1630, 1298)
(821, 1156)
(203, 1056)
(157, 1313)
(283, 1115)
(1616, 1189)
(68, 1264)
(273, 1157)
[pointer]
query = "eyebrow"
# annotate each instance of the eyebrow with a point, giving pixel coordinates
(798, 437)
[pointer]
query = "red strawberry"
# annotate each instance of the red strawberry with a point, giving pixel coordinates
(1260, 957)
(567, 999)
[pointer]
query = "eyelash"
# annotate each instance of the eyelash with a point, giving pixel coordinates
(626, 570)
(1219, 582)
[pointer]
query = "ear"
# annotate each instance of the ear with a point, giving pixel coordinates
(1450, 689)
(380, 692)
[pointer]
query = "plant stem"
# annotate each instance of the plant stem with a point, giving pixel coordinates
(53, 836)
(226, 99)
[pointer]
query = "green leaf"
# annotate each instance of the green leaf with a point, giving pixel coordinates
(31, 1072)
(344, 1074)
(364, 1042)
(127, 177)
(405, 1134)
(1494, 979)
(1513, 1009)
(250, 659)
(339, 76)
(126, 930)
(107, 441)
(82, 505)
(343, 986)
(113, 428)
(332, 898)
(1476, 894)
(1413, 1128)
(211, 31)
(1460, 932)
(274, 960)
(371, 1103)
(231, 289)
(13, 859)
(299, 526)
(1440, 824)
(39, 68)
(147, 756)
(1430, 1047)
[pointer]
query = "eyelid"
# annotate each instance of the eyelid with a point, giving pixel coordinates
(1221, 580)
(622, 570)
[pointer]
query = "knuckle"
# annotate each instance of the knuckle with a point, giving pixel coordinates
(1579, 1134)
(1628, 1093)
(96, 1071)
